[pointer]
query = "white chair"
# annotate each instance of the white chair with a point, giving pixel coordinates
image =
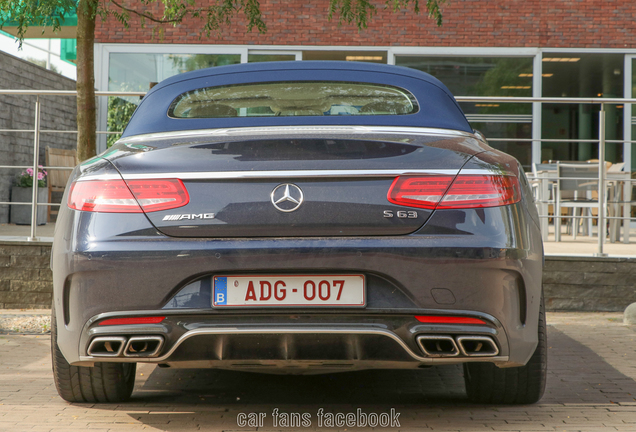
(542, 182)
(536, 167)
(577, 188)
(622, 201)
(616, 168)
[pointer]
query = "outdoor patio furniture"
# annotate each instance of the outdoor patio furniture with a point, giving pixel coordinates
(542, 182)
(622, 202)
(57, 178)
(576, 187)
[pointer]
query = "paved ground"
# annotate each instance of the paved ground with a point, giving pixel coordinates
(591, 387)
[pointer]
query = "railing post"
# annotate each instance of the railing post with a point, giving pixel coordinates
(602, 206)
(36, 155)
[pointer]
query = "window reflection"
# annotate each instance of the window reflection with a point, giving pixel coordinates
(488, 76)
(581, 75)
(137, 72)
(257, 58)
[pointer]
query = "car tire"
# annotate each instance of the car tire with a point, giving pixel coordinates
(486, 383)
(104, 382)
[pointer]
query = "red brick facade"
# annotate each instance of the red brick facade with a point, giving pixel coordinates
(485, 23)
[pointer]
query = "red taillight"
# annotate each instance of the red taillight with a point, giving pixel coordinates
(436, 319)
(155, 195)
(465, 191)
(422, 192)
(474, 191)
(115, 196)
(136, 320)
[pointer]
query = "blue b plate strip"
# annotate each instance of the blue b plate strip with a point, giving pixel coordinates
(220, 291)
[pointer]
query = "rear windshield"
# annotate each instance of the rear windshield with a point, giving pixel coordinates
(293, 98)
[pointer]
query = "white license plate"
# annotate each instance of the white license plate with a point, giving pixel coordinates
(285, 290)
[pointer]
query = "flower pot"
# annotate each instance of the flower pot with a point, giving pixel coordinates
(21, 214)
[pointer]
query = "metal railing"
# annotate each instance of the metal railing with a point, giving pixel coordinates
(602, 177)
(36, 131)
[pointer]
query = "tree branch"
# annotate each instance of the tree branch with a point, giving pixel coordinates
(150, 17)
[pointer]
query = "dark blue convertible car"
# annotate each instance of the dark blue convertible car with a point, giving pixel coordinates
(301, 218)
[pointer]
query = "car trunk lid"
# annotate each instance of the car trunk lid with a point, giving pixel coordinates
(300, 186)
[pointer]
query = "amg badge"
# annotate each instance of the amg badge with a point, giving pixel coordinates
(178, 217)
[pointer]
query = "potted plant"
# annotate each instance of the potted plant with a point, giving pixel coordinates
(23, 192)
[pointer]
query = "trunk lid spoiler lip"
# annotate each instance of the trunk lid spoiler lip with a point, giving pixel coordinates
(295, 174)
(284, 130)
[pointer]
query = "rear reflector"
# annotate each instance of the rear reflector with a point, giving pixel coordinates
(435, 319)
(463, 191)
(115, 196)
(136, 320)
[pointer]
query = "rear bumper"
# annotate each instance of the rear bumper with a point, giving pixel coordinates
(291, 344)
(495, 277)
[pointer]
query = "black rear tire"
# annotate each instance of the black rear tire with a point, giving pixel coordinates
(486, 383)
(104, 382)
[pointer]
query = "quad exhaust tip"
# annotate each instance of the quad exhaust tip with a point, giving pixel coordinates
(438, 346)
(118, 346)
(107, 346)
(143, 346)
(447, 346)
(477, 346)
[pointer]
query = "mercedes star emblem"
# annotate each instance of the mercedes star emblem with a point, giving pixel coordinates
(287, 197)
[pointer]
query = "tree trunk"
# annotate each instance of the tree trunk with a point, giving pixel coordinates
(86, 107)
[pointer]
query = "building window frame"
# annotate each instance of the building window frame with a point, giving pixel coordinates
(628, 54)
(298, 54)
(627, 110)
(528, 52)
(103, 51)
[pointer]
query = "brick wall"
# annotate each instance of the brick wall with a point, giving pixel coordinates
(17, 112)
(570, 283)
(492, 23)
(25, 276)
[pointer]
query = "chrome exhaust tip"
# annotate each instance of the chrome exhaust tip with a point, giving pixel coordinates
(477, 346)
(438, 346)
(143, 346)
(106, 346)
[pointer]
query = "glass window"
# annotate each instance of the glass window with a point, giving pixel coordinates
(257, 58)
(499, 136)
(135, 71)
(294, 98)
(361, 56)
(581, 75)
(138, 72)
(633, 120)
(479, 76)
(488, 76)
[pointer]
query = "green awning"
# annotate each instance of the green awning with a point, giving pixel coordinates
(42, 26)
(68, 50)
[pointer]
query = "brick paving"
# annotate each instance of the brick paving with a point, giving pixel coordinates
(591, 387)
